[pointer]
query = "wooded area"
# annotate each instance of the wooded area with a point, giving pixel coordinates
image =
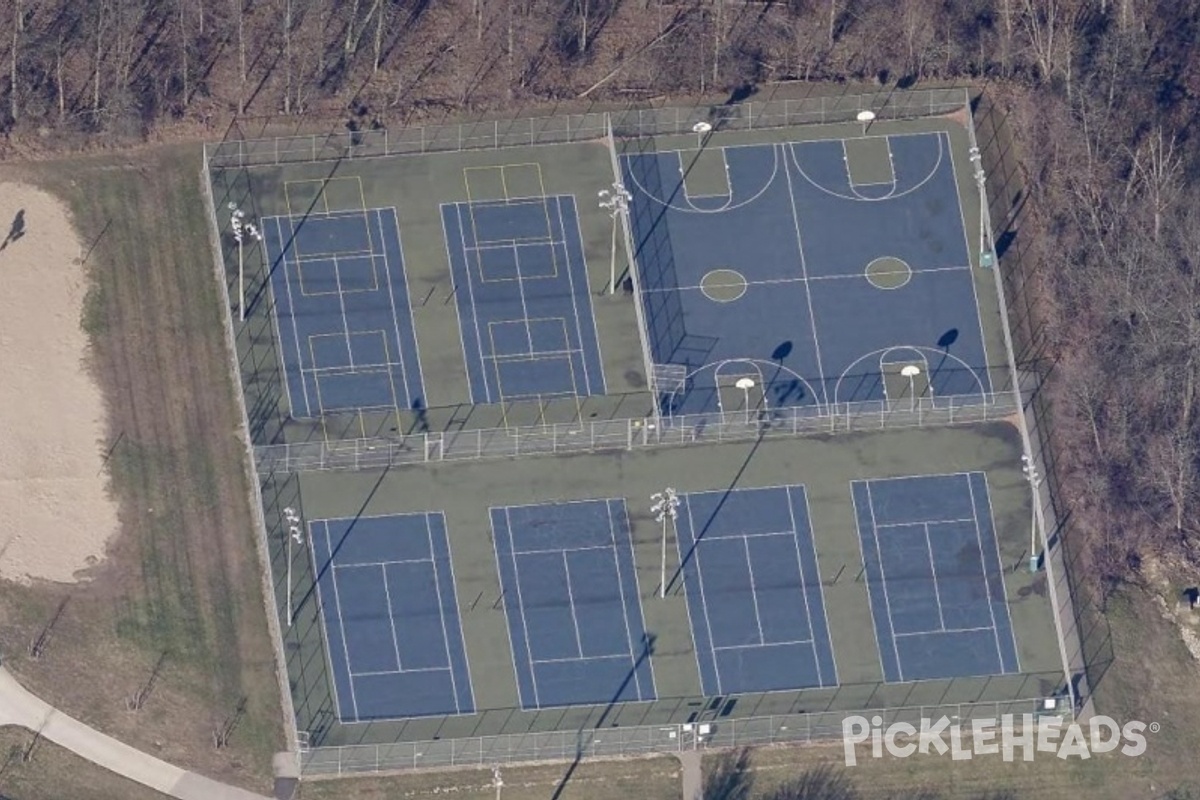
(1101, 91)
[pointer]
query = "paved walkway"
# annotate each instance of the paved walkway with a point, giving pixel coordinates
(692, 780)
(19, 707)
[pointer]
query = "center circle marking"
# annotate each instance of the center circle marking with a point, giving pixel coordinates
(888, 272)
(723, 285)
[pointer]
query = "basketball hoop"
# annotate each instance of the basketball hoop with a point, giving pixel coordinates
(701, 128)
(866, 117)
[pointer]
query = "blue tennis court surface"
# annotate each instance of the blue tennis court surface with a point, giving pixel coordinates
(342, 310)
(934, 576)
(392, 629)
(790, 247)
(572, 605)
(521, 289)
(754, 591)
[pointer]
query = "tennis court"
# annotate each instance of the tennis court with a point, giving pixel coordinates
(390, 617)
(934, 575)
(754, 591)
(820, 271)
(342, 311)
(521, 291)
(572, 603)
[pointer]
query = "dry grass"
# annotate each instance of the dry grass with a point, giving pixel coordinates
(632, 779)
(52, 773)
(181, 580)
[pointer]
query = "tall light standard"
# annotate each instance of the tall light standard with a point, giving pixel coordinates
(240, 230)
(616, 202)
(1035, 480)
(497, 781)
(294, 537)
(665, 505)
(986, 257)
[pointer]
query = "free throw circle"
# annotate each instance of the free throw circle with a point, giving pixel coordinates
(888, 272)
(723, 285)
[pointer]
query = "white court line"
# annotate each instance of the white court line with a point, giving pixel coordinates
(887, 603)
(850, 178)
(337, 276)
(524, 307)
(487, 391)
(966, 240)
(857, 198)
(454, 287)
(387, 593)
(712, 643)
(637, 598)
(273, 312)
(937, 594)
(758, 645)
(753, 591)
(512, 544)
(361, 564)
(508, 620)
(925, 522)
(812, 630)
(462, 639)
(569, 268)
(437, 589)
(683, 182)
(987, 588)
(812, 317)
(337, 604)
(690, 209)
(812, 546)
(564, 549)
(287, 281)
(576, 660)
(381, 673)
(387, 269)
(540, 355)
(327, 650)
(571, 605)
(948, 630)
(991, 516)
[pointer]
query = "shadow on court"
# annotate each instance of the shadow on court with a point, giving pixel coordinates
(647, 650)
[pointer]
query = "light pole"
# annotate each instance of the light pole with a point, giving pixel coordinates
(1035, 480)
(911, 371)
(985, 253)
(236, 217)
(615, 201)
(665, 505)
(497, 781)
(294, 536)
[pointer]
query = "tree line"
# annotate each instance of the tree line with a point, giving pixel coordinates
(1101, 93)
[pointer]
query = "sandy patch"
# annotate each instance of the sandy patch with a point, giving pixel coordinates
(55, 513)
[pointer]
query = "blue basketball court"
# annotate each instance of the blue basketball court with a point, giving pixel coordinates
(754, 591)
(392, 629)
(521, 290)
(816, 287)
(572, 605)
(342, 312)
(934, 576)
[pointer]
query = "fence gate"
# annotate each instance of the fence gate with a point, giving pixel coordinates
(433, 447)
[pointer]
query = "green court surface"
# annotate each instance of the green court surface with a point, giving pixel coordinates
(417, 187)
(465, 491)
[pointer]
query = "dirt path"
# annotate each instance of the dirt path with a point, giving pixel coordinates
(55, 513)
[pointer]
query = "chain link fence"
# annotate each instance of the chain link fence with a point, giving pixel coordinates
(562, 129)
(484, 751)
(629, 434)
